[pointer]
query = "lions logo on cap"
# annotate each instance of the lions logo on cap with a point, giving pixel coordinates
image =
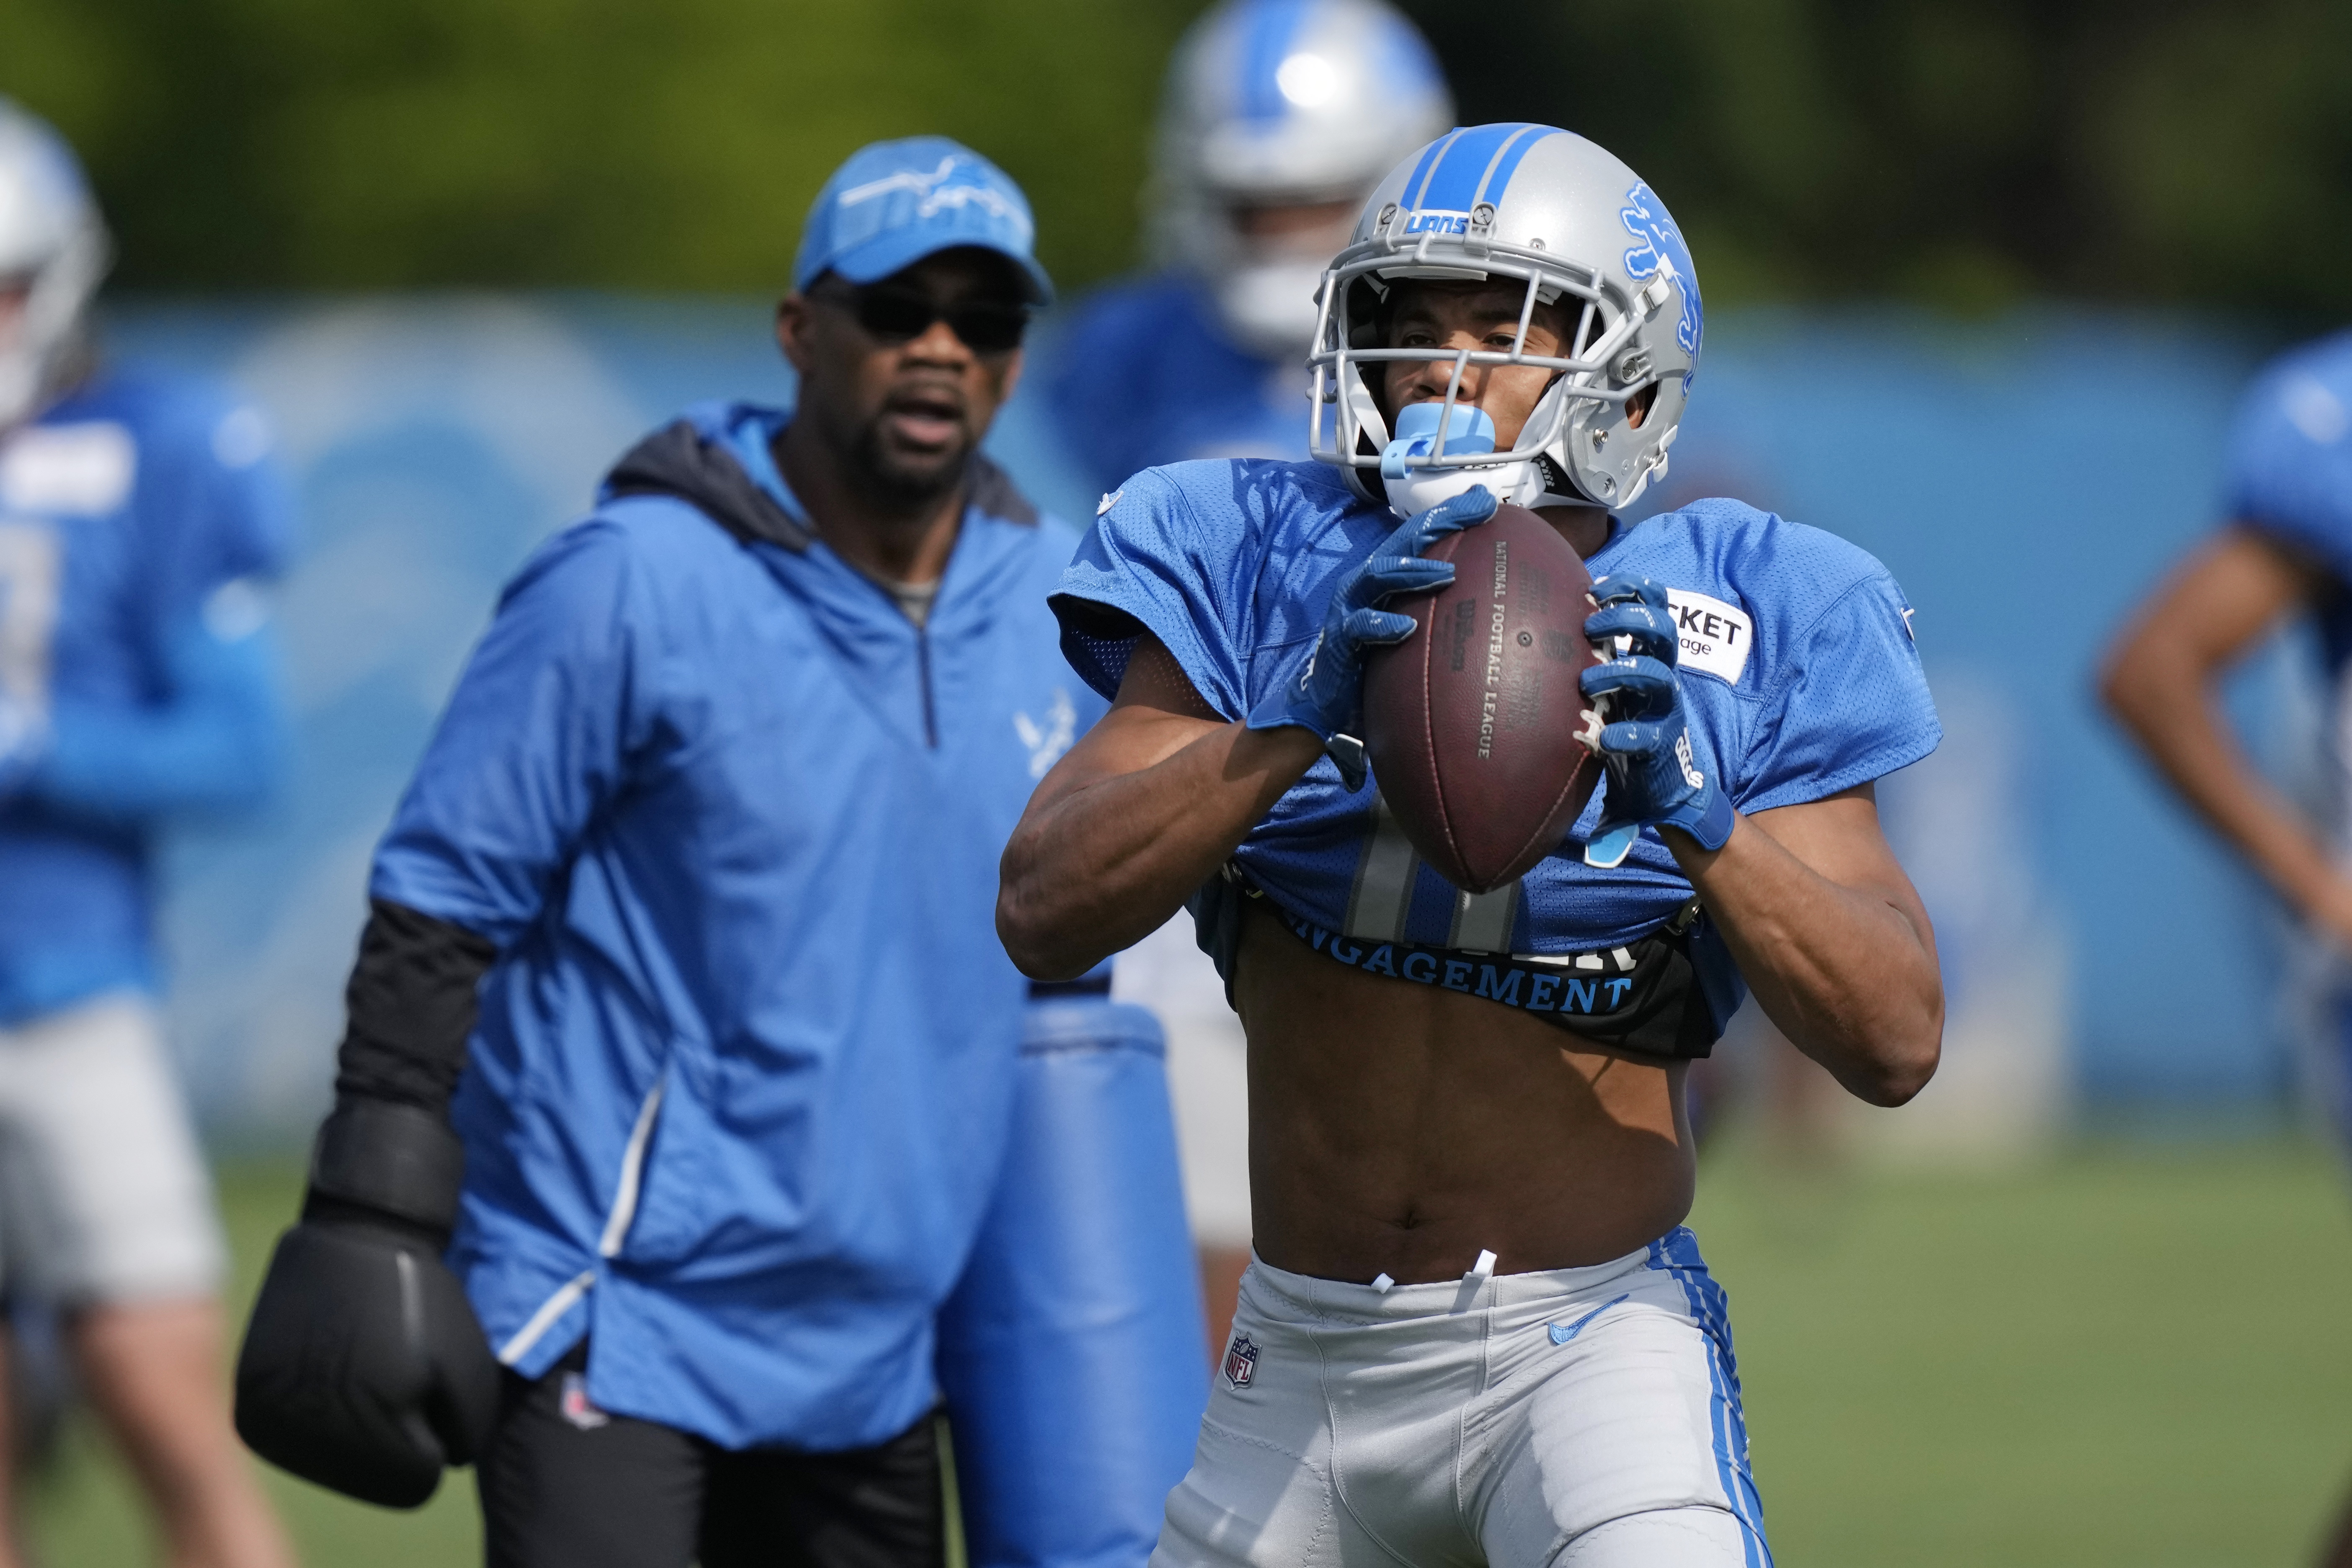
(937, 195)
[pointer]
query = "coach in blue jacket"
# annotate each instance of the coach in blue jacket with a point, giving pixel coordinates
(710, 831)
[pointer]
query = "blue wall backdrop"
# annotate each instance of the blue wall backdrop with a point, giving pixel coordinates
(2026, 477)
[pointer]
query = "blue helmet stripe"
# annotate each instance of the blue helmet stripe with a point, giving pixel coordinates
(1505, 163)
(1416, 185)
(1479, 160)
(1273, 27)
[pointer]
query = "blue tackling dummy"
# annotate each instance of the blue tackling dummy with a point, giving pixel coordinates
(1071, 1351)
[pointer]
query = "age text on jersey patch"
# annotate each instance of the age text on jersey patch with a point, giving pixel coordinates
(1715, 637)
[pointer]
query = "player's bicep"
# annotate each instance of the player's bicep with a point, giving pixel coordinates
(1840, 839)
(1158, 713)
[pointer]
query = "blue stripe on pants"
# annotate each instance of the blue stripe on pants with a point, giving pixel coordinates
(1676, 1253)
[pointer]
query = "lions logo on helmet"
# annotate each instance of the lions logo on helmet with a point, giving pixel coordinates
(1663, 253)
(51, 241)
(1540, 206)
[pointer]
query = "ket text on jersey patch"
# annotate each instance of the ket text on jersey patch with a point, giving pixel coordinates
(1715, 637)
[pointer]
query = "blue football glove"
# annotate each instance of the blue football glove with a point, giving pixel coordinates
(1653, 775)
(1327, 695)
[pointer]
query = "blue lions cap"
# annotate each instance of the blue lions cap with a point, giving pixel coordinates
(894, 203)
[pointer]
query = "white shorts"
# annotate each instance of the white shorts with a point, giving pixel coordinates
(1583, 1416)
(103, 1194)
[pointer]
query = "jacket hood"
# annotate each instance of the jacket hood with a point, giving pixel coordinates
(684, 461)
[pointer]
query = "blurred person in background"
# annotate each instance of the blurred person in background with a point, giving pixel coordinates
(693, 1131)
(2285, 552)
(139, 523)
(1277, 118)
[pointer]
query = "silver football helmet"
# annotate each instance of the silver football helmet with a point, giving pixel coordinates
(1281, 102)
(1550, 210)
(54, 244)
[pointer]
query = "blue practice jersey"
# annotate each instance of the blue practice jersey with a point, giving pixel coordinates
(140, 520)
(743, 1072)
(1800, 678)
(1143, 375)
(2290, 469)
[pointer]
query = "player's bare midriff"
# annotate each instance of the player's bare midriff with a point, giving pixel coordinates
(1398, 1130)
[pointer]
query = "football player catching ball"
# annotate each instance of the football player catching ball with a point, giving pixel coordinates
(1475, 1328)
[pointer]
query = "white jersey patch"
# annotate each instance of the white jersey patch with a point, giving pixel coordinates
(75, 469)
(1715, 637)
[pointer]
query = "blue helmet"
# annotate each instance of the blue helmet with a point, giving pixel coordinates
(52, 238)
(1542, 207)
(1281, 102)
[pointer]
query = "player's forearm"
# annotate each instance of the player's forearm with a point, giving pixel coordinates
(2196, 750)
(217, 744)
(1850, 977)
(2161, 681)
(1098, 867)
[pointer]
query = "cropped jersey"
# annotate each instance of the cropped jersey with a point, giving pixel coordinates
(1800, 678)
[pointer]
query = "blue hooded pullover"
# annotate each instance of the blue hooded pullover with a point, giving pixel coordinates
(742, 1075)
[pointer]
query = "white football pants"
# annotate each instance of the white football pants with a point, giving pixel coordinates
(1583, 1416)
(104, 1197)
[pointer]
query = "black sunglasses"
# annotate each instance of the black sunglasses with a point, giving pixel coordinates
(899, 315)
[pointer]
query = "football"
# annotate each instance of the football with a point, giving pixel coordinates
(1471, 721)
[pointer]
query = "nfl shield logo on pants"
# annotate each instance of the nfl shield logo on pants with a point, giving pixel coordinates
(1241, 1362)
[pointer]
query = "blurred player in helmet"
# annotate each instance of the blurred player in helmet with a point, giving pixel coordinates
(2286, 551)
(140, 524)
(1475, 1328)
(693, 1132)
(1277, 119)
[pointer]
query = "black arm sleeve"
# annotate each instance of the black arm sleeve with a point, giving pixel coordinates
(411, 1002)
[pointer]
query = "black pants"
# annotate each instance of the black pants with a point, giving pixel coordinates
(566, 1486)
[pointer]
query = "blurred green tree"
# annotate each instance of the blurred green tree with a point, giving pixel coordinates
(266, 144)
(1964, 153)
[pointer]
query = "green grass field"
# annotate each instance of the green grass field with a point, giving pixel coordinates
(2134, 1355)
